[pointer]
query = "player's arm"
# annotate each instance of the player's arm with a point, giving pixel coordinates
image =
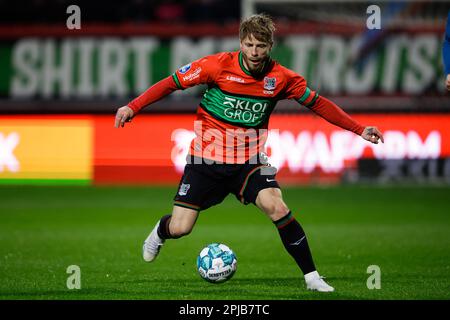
(297, 89)
(446, 53)
(335, 115)
(198, 72)
(156, 92)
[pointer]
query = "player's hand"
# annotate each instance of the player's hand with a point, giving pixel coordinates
(124, 114)
(447, 82)
(372, 134)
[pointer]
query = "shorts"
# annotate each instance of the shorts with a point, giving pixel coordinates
(204, 185)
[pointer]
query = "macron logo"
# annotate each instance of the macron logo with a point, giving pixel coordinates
(7, 145)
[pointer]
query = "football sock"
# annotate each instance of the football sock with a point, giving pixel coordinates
(163, 230)
(295, 242)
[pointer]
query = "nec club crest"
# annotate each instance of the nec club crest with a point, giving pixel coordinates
(270, 83)
(184, 188)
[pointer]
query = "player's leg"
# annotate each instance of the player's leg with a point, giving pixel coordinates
(270, 201)
(198, 190)
(292, 235)
(171, 226)
(260, 187)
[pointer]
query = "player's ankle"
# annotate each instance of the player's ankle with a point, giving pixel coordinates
(312, 275)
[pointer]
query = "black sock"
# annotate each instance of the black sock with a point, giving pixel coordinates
(163, 230)
(295, 242)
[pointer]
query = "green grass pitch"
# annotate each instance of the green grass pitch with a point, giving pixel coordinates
(403, 230)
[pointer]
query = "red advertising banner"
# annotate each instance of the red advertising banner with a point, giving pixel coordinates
(152, 149)
(304, 148)
(141, 151)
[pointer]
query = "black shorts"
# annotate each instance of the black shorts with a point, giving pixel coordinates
(204, 185)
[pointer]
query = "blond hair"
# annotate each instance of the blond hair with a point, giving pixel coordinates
(261, 26)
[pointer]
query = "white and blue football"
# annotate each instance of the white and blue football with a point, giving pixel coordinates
(216, 263)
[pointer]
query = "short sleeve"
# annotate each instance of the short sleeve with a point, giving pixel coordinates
(297, 89)
(201, 71)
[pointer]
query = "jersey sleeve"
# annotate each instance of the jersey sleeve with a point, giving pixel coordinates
(201, 71)
(297, 89)
(156, 92)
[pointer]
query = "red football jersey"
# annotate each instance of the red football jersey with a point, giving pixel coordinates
(233, 115)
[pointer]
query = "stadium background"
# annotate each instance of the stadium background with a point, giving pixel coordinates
(391, 77)
(60, 88)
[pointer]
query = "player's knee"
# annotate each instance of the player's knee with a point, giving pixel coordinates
(275, 207)
(279, 210)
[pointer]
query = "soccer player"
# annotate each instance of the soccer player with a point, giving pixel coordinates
(446, 53)
(231, 129)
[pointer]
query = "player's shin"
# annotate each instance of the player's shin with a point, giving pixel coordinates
(295, 242)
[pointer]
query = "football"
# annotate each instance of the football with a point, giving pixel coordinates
(216, 263)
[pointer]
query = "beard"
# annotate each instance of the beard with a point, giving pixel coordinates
(260, 69)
